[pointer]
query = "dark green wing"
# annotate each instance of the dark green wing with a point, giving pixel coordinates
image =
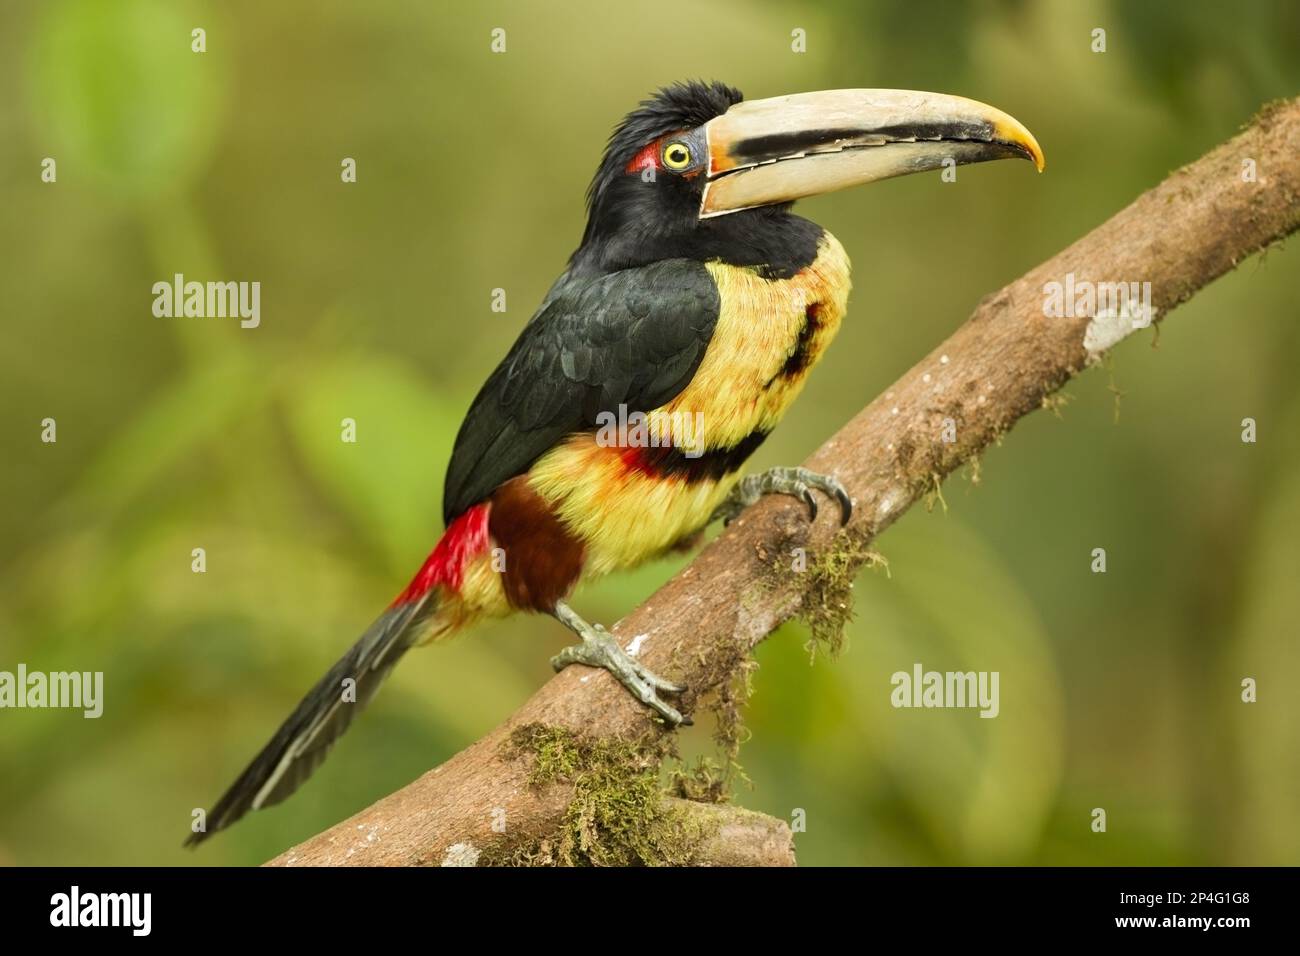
(634, 338)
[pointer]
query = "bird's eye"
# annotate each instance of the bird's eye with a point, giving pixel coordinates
(677, 156)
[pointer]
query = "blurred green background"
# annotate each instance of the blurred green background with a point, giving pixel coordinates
(1119, 691)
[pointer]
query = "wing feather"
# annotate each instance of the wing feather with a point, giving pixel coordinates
(632, 338)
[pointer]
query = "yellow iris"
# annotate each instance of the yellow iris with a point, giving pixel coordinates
(677, 156)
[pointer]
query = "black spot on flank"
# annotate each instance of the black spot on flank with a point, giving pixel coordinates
(712, 465)
(801, 356)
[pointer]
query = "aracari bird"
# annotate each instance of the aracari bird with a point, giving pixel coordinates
(696, 295)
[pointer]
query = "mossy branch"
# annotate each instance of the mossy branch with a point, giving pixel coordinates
(1006, 361)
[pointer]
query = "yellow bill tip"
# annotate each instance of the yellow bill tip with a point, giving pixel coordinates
(1010, 130)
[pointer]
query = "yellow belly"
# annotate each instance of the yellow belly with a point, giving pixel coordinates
(744, 384)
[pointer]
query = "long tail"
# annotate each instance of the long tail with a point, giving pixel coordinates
(303, 741)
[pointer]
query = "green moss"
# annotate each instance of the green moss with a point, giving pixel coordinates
(1268, 113)
(712, 779)
(706, 781)
(1057, 401)
(727, 667)
(617, 816)
(729, 730)
(934, 492)
(827, 600)
(555, 755)
(1109, 364)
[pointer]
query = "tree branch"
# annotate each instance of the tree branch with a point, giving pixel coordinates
(707, 834)
(738, 837)
(1003, 363)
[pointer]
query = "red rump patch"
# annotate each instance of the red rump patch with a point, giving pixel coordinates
(464, 539)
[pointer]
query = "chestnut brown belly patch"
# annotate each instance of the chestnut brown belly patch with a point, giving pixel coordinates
(542, 560)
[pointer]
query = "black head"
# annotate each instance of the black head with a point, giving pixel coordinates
(644, 202)
(695, 173)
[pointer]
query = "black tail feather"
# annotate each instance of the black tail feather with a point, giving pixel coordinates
(303, 741)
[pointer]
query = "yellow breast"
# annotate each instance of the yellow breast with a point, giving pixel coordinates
(770, 332)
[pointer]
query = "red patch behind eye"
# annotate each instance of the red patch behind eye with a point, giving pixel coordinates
(648, 156)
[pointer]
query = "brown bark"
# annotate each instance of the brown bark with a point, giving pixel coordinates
(1004, 362)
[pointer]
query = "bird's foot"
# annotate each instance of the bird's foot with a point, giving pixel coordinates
(600, 649)
(798, 482)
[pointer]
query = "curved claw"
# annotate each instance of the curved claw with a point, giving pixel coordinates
(810, 501)
(655, 681)
(670, 715)
(833, 488)
(797, 482)
(846, 505)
